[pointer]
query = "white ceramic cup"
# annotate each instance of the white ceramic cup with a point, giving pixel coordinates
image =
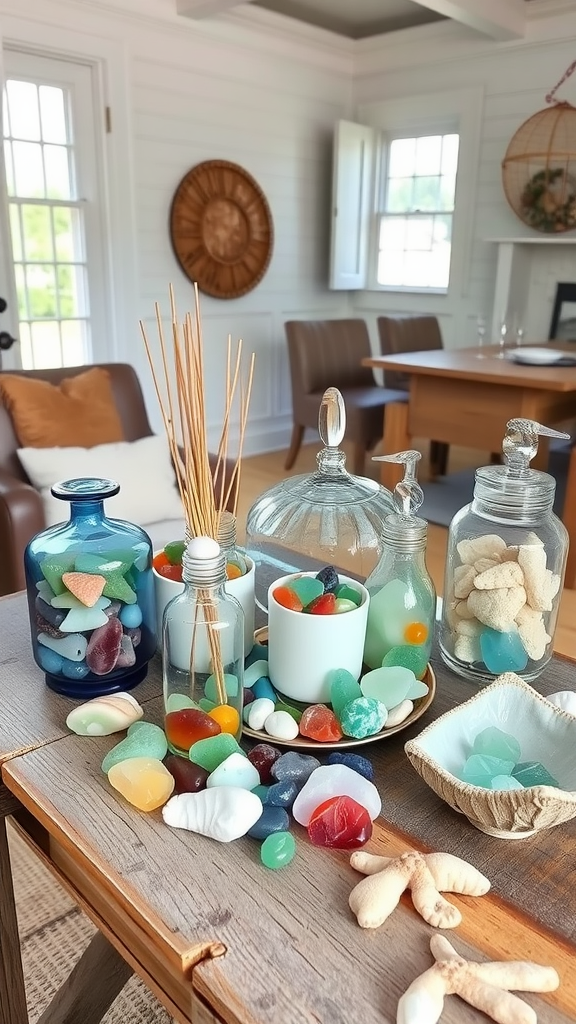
(242, 588)
(303, 648)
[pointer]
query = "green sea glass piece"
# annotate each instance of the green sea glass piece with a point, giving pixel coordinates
(505, 782)
(408, 656)
(347, 593)
(308, 588)
(209, 753)
(80, 618)
(387, 620)
(143, 740)
(255, 671)
(496, 743)
(174, 551)
(363, 717)
(293, 712)
(206, 705)
(179, 701)
(343, 605)
(230, 685)
(343, 688)
(480, 769)
(532, 773)
(278, 850)
(261, 792)
(53, 568)
(113, 567)
(388, 685)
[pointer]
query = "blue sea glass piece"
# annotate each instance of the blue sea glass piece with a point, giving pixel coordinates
(281, 794)
(363, 717)
(505, 782)
(272, 820)
(532, 773)
(480, 769)
(502, 652)
(263, 688)
(496, 743)
(354, 761)
(294, 767)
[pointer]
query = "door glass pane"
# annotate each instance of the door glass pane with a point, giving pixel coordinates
(25, 340)
(74, 342)
(46, 349)
(52, 114)
(24, 112)
(21, 292)
(41, 286)
(15, 233)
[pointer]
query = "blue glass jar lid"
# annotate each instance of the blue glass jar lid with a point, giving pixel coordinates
(85, 488)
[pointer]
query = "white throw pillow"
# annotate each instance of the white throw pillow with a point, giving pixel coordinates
(143, 468)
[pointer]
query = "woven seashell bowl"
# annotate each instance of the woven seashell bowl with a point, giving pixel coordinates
(546, 734)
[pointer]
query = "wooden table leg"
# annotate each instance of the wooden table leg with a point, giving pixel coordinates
(91, 988)
(12, 991)
(569, 520)
(396, 439)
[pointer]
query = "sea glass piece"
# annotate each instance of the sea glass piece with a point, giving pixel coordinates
(343, 605)
(177, 701)
(104, 647)
(174, 551)
(308, 588)
(346, 593)
(281, 794)
(410, 657)
(185, 727)
(343, 688)
(340, 823)
(272, 820)
(52, 615)
(287, 598)
(104, 716)
(233, 571)
(49, 660)
(235, 770)
(259, 652)
(114, 567)
(143, 781)
(73, 646)
(335, 780)
(212, 690)
(206, 705)
(227, 718)
(144, 739)
(294, 767)
(480, 769)
(130, 615)
(255, 671)
(329, 578)
(532, 773)
(53, 568)
(354, 761)
(278, 850)
(82, 619)
(263, 756)
(363, 717)
(294, 713)
(188, 777)
(497, 743)
(390, 686)
(44, 626)
(323, 605)
(209, 753)
(505, 782)
(223, 813)
(416, 633)
(85, 586)
(263, 688)
(74, 669)
(319, 723)
(170, 572)
(126, 655)
(387, 620)
(502, 652)
(260, 792)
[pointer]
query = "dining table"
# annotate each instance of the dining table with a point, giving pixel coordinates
(466, 396)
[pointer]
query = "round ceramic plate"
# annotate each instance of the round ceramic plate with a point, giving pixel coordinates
(421, 704)
(534, 356)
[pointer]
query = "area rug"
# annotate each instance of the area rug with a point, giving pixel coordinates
(445, 496)
(53, 934)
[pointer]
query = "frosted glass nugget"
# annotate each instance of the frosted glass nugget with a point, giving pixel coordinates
(237, 771)
(335, 780)
(104, 715)
(223, 813)
(143, 781)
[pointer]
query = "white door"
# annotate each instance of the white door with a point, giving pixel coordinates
(52, 236)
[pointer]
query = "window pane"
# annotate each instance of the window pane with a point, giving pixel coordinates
(15, 233)
(442, 230)
(391, 268)
(67, 291)
(57, 172)
(24, 114)
(46, 349)
(9, 168)
(74, 342)
(447, 192)
(28, 170)
(417, 269)
(66, 231)
(402, 158)
(25, 344)
(428, 152)
(41, 283)
(419, 233)
(399, 199)
(52, 114)
(37, 232)
(6, 114)
(426, 193)
(450, 145)
(392, 232)
(21, 291)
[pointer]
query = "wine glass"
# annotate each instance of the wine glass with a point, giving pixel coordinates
(502, 335)
(480, 334)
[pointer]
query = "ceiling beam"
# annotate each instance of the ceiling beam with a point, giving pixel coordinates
(499, 19)
(204, 8)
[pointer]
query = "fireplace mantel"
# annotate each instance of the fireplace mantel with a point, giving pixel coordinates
(513, 270)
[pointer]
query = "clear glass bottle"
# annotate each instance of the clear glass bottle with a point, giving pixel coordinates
(202, 649)
(328, 517)
(91, 596)
(505, 565)
(402, 610)
(240, 575)
(236, 564)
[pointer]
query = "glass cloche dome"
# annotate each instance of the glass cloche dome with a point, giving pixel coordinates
(329, 517)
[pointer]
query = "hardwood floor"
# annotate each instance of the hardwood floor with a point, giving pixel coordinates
(259, 472)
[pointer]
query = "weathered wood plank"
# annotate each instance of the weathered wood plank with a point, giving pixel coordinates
(91, 987)
(12, 992)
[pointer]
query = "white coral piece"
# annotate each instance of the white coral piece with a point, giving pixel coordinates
(223, 813)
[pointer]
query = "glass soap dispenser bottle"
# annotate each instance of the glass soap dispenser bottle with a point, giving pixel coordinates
(202, 652)
(505, 565)
(402, 608)
(329, 517)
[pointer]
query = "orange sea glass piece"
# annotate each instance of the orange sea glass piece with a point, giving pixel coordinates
(170, 572)
(187, 726)
(287, 598)
(143, 781)
(323, 605)
(416, 633)
(233, 571)
(227, 718)
(160, 559)
(320, 723)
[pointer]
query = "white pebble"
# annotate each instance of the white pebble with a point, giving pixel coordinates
(260, 710)
(399, 713)
(281, 725)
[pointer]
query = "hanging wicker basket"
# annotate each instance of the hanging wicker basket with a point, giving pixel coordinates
(539, 170)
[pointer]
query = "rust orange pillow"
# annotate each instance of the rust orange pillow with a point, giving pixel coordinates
(79, 411)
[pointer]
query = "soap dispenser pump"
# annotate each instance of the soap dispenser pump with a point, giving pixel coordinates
(402, 596)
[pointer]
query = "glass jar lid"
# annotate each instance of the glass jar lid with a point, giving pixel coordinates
(85, 488)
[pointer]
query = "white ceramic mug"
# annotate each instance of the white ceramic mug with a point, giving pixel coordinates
(303, 648)
(242, 588)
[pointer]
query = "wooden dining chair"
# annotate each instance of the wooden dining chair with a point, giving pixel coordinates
(328, 353)
(399, 334)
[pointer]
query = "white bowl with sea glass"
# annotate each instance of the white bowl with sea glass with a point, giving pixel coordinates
(546, 735)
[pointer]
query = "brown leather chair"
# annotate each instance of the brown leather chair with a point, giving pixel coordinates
(328, 353)
(400, 334)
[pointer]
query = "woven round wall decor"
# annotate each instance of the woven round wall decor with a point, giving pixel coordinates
(221, 229)
(539, 168)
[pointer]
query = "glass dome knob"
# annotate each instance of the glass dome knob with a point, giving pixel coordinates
(520, 443)
(407, 495)
(332, 418)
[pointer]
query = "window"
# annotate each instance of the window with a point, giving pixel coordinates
(415, 223)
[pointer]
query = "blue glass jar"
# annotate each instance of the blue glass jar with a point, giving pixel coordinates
(91, 596)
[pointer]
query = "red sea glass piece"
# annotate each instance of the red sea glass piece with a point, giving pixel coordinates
(340, 823)
(287, 598)
(323, 605)
(263, 756)
(171, 572)
(188, 777)
(159, 560)
(320, 723)
(104, 647)
(187, 726)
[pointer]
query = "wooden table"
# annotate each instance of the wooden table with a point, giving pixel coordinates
(461, 399)
(220, 938)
